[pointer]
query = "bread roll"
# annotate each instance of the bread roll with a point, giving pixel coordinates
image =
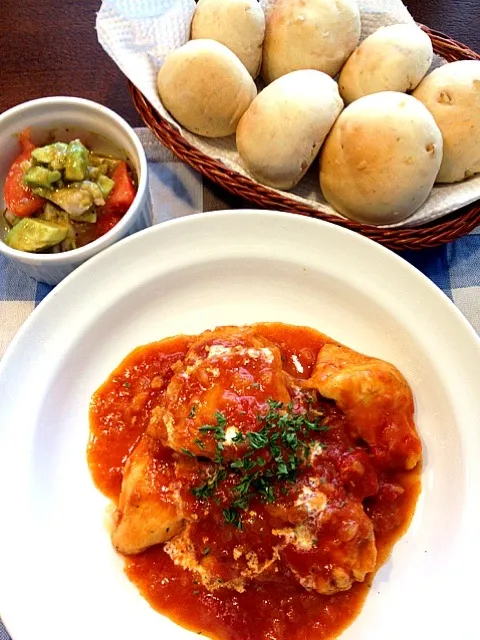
(238, 24)
(309, 34)
(280, 134)
(452, 95)
(394, 58)
(379, 163)
(205, 87)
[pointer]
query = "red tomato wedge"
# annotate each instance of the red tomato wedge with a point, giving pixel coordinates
(19, 199)
(122, 194)
(118, 201)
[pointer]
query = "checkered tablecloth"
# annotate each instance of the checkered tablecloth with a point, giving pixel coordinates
(178, 191)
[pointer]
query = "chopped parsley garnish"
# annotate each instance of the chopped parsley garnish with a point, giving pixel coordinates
(221, 420)
(208, 489)
(231, 516)
(193, 411)
(187, 452)
(273, 454)
(258, 440)
(217, 432)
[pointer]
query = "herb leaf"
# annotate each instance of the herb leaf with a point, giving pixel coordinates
(257, 439)
(231, 516)
(274, 453)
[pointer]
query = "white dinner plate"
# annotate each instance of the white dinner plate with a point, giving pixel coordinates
(59, 577)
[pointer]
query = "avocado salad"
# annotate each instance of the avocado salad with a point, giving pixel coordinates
(62, 196)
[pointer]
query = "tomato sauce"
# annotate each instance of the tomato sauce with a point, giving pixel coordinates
(120, 410)
(279, 609)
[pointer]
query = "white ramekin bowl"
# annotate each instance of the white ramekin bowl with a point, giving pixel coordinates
(64, 118)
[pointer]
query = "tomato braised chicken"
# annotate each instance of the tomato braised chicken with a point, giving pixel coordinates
(260, 476)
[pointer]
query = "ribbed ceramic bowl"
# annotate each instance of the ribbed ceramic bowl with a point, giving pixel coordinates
(64, 118)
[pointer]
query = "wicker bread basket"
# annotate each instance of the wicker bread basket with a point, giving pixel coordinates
(433, 234)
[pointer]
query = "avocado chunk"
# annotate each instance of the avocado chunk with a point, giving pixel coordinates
(69, 242)
(93, 173)
(94, 191)
(76, 161)
(41, 177)
(75, 199)
(106, 184)
(11, 218)
(104, 163)
(89, 216)
(51, 213)
(52, 154)
(33, 235)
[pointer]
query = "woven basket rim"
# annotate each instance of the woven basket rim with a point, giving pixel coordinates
(432, 234)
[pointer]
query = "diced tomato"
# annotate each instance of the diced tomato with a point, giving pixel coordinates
(19, 199)
(122, 194)
(118, 201)
(106, 221)
(25, 142)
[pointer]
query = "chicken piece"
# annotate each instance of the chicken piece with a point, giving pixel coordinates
(327, 540)
(148, 511)
(375, 398)
(224, 383)
(225, 557)
(331, 549)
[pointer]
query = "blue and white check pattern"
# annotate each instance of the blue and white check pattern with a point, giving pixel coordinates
(454, 268)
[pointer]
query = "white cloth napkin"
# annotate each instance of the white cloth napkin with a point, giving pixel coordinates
(138, 34)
